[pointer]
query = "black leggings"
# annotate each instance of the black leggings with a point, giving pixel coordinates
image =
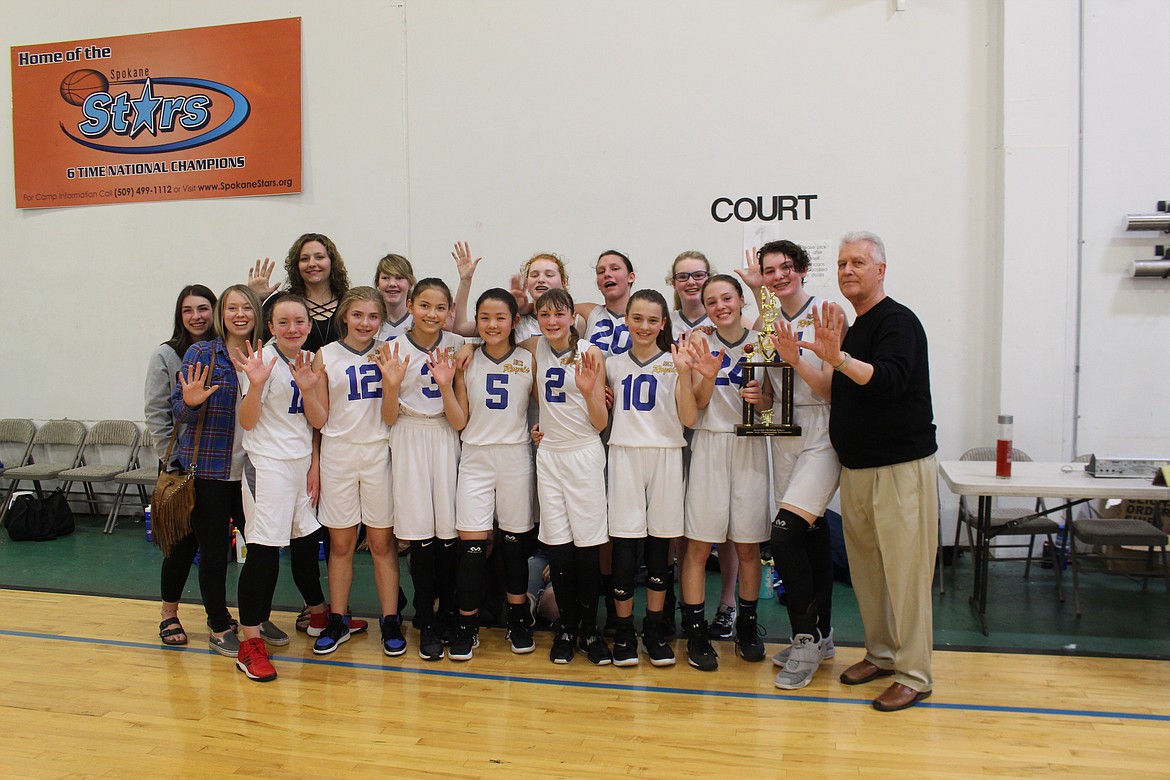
(216, 502)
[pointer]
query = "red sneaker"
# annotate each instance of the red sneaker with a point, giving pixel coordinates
(317, 622)
(314, 625)
(253, 661)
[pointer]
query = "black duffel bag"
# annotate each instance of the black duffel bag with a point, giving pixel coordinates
(31, 519)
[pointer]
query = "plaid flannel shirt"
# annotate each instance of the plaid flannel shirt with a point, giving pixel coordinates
(219, 427)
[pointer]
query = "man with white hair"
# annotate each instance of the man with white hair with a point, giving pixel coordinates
(882, 427)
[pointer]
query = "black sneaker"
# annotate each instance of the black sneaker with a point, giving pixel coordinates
(593, 645)
(700, 653)
(562, 648)
(448, 628)
(611, 618)
(747, 638)
(393, 642)
(625, 643)
(655, 644)
(723, 624)
(334, 635)
(520, 634)
(465, 641)
(430, 646)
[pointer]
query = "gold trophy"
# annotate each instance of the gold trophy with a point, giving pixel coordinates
(769, 309)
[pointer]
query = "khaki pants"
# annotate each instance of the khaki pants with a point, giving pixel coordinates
(891, 534)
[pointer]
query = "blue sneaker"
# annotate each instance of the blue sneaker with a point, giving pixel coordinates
(393, 642)
(335, 634)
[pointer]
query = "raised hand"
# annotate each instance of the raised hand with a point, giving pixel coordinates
(305, 374)
(750, 273)
(393, 369)
(586, 371)
(702, 360)
(252, 363)
(442, 366)
(786, 343)
(193, 381)
(829, 322)
(516, 287)
(260, 276)
(681, 354)
(463, 262)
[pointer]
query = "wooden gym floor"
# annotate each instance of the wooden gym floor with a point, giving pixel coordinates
(82, 696)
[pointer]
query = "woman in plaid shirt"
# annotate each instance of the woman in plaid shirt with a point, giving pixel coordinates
(208, 378)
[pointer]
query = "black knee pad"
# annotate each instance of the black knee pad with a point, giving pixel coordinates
(658, 574)
(788, 528)
(625, 568)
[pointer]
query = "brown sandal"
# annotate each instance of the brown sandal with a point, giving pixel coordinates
(170, 630)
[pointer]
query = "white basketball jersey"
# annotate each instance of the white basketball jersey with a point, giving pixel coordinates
(564, 417)
(392, 330)
(526, 328)
(607, 331)
(282, 432)
(645, 413)
(725, 410)
(419, 395)
(802, 326)
(498, 393)
(682, 326)
(355, 394)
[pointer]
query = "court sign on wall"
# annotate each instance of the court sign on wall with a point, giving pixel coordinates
(212, 112)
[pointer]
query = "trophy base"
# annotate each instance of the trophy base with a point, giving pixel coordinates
(768, 430)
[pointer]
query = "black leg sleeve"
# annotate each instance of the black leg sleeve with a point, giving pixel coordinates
(625, 568)
(423, 555)
(514, 549)
(562, 567)
(472, 574)
(788, 537)
(587, 565)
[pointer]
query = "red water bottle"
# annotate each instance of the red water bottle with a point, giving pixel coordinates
(1003, 448)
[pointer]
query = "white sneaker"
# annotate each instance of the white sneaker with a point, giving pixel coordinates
(828, 650)
(803, 661)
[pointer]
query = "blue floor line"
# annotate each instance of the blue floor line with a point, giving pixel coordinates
(626, 688)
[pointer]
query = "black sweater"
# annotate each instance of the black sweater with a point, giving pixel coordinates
(889, 420)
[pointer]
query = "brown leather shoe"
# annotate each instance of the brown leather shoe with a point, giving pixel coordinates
(862, 672)
(898, 697)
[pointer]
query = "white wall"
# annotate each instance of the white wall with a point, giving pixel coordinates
(1125, 323)
(522, 126)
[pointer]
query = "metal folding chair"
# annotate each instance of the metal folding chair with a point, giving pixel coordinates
(56, 447)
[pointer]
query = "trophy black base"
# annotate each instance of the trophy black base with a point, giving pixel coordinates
(767, 430)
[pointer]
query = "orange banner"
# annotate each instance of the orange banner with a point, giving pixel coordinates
(213, 112)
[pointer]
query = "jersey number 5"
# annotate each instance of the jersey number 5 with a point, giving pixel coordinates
(497, 390)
